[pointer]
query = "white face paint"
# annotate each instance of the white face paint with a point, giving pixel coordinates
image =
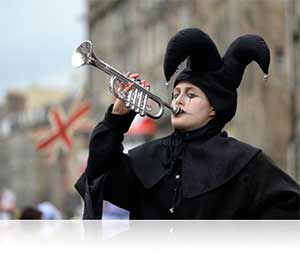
(196, 108)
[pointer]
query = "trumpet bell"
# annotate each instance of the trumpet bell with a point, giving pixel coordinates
(82, 54)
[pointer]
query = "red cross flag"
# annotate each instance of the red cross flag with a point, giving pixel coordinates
(63, 127)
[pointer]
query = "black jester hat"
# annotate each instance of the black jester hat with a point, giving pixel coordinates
(218, 77)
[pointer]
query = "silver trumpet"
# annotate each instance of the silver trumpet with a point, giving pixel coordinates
(138, 99)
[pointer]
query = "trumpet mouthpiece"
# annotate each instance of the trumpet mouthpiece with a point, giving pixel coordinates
(176, 110)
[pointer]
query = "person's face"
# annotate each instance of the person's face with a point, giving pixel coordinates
(195, 106)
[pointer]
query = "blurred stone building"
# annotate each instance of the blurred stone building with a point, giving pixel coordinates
(132, 35)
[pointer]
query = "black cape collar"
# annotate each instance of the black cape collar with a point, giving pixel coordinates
(207, 163)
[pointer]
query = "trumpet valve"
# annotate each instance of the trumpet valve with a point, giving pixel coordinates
(134, 99)
(128, 99)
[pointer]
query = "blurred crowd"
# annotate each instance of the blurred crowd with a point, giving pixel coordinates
(41, 211)
(48, 211)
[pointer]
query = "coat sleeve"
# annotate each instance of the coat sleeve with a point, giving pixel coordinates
(277, 195)
(108, 175)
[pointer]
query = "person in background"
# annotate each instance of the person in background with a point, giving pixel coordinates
(49, 211)
(30, 213)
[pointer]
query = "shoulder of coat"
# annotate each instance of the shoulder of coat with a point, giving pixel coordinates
(149, 145)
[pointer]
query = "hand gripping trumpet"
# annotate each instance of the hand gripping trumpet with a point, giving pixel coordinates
(138, 99)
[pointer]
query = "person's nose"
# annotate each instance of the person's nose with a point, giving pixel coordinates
(180, 99)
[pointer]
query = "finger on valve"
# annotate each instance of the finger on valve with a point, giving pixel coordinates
(126, 88)
(133, 75)
(121, 86)
(145, 84)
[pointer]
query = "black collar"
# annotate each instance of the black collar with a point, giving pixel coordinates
(207, 163)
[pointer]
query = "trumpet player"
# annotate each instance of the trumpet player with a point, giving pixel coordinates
(198, 171)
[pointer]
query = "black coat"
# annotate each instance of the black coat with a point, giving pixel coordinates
(240, 183)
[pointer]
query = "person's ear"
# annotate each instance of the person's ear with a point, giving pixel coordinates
(212, 112)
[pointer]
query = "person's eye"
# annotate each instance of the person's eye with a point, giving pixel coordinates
(175, 95)
(191, 95)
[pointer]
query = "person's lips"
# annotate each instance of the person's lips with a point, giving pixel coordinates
(182, 112)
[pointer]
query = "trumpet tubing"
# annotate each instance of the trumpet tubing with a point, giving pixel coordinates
(138, 99)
